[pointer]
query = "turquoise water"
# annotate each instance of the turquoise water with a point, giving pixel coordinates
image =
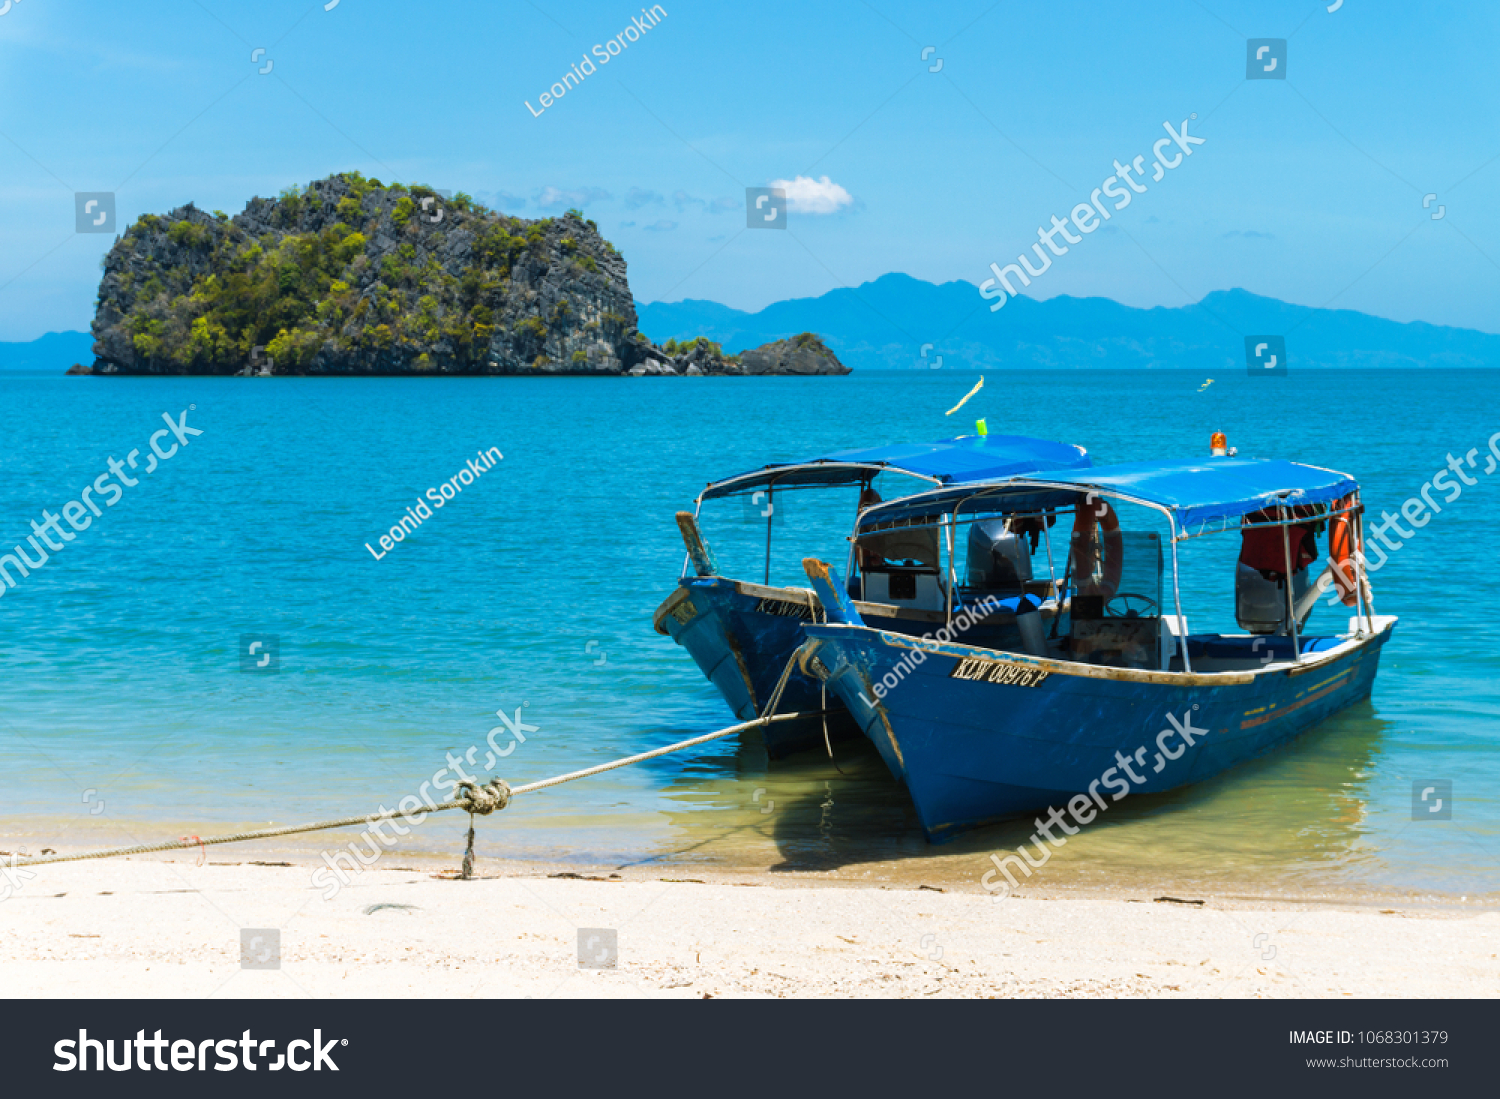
(120, 679)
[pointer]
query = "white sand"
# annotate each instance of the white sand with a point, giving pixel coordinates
(167, 927)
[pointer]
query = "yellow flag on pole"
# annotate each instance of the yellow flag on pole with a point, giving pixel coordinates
(977, 387)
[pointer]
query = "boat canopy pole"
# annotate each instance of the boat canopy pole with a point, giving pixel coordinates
(1062, 590)
(951, 575)
(1365, 593)
(770, 515)
(1051, 568)
(1291, 603)
(853, 558)
(1187, 660)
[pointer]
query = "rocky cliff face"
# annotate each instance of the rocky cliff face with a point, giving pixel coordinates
(349, 276)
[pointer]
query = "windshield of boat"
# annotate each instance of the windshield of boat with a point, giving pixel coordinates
(762, 533)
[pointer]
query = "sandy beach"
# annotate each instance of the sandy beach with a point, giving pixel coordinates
(164, 926)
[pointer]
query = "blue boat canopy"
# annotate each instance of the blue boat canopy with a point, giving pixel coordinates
(1195, 492)
(963, 460)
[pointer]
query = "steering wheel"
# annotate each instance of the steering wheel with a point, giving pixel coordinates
(1128, 609)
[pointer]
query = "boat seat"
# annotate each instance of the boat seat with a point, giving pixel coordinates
(912, 586)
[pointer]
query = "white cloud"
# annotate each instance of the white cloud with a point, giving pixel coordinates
(637, 197)
(805, 195)
(499, 201)
(551, 197)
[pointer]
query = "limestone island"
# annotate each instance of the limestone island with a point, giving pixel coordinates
(352, 277)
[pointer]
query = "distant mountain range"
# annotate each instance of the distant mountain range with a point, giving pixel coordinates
(53, 353)
(884, 324)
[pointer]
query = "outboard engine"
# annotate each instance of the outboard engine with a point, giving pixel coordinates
(999, 560)
(1260, 598)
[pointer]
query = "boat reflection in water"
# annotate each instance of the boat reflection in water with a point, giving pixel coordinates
(1292, 820)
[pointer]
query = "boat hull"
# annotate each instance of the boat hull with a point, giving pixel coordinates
(978, 736)
(742, 636)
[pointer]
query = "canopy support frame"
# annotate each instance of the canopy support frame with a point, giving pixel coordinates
(1291, 601)
(1182, 638)
(770, 518)
(1365, 594)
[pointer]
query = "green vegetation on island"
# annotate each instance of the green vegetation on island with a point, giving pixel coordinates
(352, 276)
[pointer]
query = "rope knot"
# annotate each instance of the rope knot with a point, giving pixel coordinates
(485, 799)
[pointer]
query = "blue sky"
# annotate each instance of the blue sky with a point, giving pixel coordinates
(1308, 189)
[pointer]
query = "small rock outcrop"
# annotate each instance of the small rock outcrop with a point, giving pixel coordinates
(804, 354)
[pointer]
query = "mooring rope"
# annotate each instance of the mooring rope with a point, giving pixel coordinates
(482, 799)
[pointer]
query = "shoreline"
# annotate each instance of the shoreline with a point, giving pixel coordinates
(153, 926)
(931, 874)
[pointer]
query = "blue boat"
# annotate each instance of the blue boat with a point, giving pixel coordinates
(1116, 695)
(743, 634)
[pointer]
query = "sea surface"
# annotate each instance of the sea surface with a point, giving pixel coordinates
(126, 717)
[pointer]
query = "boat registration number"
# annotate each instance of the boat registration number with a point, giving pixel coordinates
(998, 671)
(783, 608)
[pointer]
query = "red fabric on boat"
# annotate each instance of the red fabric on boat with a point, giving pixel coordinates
(1264, 549)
